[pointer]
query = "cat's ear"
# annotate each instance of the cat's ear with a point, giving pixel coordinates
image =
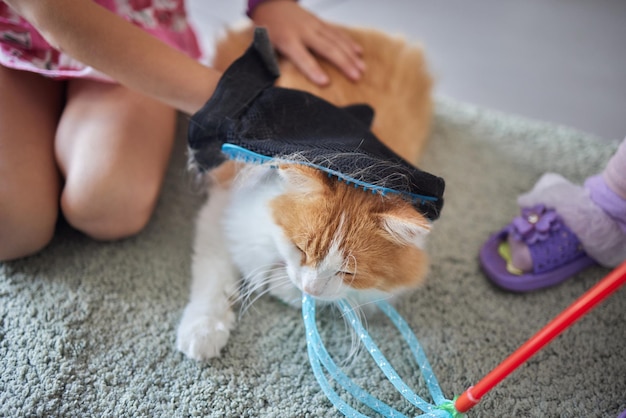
(362, 112)
(301, 179)
(406, 226)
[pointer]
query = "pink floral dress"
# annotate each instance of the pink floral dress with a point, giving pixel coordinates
(23, 48)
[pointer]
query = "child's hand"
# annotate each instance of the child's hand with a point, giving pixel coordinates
(296, 32)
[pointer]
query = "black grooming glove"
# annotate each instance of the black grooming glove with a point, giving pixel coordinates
(248, 111)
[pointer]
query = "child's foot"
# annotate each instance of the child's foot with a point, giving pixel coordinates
(563, 229)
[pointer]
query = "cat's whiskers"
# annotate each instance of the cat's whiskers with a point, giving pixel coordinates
(363, 306)
(355, 342)
(253, 287)
(251, 284)
(255, 295)
(359, 309)
(249, 288)
(346, 265)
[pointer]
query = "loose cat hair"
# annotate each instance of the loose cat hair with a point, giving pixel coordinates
(289, 228)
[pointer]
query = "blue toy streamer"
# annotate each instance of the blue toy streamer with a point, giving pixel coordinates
(318, 356)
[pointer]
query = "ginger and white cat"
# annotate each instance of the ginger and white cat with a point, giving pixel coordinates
(291, 229)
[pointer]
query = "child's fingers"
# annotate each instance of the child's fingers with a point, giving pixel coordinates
(340, 43)
(343, 39)
(305, 62)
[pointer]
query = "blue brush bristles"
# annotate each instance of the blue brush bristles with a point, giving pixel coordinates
(237, 153)
(319, 357)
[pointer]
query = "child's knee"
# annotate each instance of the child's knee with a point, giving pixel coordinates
(26, 231)
(109, 216)
(114, 226)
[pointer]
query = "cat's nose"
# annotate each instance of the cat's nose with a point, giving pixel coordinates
(311, 282)
(311, 290)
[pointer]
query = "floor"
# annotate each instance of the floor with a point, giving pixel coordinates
(562, 61)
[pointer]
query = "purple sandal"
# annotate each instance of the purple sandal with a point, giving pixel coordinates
(555, 250)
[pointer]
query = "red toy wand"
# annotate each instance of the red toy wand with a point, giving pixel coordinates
(564, 320)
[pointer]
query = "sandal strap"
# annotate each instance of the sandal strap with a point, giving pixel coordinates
(550, 241)
(562, 247)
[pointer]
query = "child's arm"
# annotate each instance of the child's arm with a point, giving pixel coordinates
(108, 43)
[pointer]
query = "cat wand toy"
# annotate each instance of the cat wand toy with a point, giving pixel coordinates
(560, 323)
(442, 407)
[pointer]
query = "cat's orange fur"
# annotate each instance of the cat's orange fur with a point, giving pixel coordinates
(375, 259)
(396, 84)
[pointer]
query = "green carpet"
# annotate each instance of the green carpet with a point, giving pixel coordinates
(88, 328)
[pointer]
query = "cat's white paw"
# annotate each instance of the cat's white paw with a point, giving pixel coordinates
(202, 336)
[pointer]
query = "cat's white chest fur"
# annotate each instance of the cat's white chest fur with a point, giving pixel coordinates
(235, 236)
(249, 229)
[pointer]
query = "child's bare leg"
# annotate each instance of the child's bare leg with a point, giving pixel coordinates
(30, 106)
(615, 172)
(112, 146)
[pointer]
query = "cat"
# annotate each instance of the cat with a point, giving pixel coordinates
(291, 229)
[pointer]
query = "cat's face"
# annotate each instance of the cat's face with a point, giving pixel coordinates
(339, 241)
